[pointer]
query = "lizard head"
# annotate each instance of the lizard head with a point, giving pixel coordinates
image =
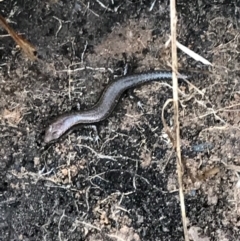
(56, 130)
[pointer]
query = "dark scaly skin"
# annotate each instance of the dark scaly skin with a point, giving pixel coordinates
(105, 105)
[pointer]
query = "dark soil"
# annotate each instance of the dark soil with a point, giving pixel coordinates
(124, 186)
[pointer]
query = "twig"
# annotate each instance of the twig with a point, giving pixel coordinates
(176, 113)
(87, 7)
(152, 6)
(26, 46)
(84, 50)
(104, 6)
(60, 24)
(166, 128)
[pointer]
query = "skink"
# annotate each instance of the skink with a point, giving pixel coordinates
(105, 105)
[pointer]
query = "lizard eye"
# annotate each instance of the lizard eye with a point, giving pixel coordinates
(55, 133)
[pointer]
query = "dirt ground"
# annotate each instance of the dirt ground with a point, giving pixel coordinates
(124, 186)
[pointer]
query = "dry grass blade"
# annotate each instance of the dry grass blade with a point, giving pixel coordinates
(26, 47)
(189, 52)
(192, 54)
(176, 113)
